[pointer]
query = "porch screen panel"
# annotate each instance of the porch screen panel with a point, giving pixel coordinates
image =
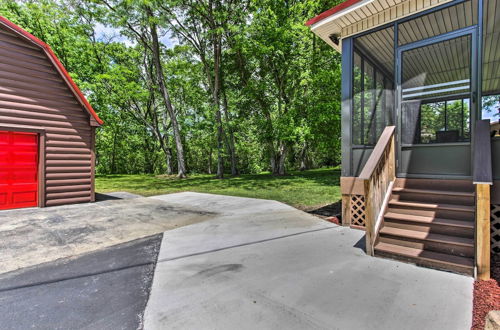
(446, 20)
(357, 105)
(491, 67)
(369, 94)
(435, 97)
(491, 80)
(381, 98)
(373, 85)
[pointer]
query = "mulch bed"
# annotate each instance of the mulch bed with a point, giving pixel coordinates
(330, 212)
(486, 295)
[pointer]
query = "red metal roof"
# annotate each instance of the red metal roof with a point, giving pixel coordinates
(331, 11)
(67, 78)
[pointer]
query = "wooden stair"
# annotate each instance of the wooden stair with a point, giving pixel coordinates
(430, 223)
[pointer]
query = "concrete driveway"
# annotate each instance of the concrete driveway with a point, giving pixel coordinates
(30, 237)
(264, 265)
(222, 263)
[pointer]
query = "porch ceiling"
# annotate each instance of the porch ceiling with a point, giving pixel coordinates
(441, 63)
(444, 62)
(362, 15)
(380, 47)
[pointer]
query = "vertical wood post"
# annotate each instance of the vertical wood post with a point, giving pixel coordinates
(392, 159)
(346, 210)
(483, 231)
(369, 217)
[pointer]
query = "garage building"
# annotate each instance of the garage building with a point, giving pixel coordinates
(47, 127)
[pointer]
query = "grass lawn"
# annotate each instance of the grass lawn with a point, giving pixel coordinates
(304, 190)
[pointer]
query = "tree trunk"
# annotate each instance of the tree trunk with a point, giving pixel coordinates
(113, 154)
(272, 159)
(168, 161)
(270, 142)
(281, 159)
(217, 50)
(304, 162)
(210, 161)
(231, 141)
(164, 146)
(167, 152)
(303, 165)
(149, 165)
(220, 137)
(168, 103)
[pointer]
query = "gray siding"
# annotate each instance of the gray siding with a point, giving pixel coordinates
(437, 160)
(359, 158)
(495, 153)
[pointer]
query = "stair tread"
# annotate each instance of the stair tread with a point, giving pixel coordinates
(429, 220)
(420, 235)
(453, 207)
(434, 192)
(425, 255)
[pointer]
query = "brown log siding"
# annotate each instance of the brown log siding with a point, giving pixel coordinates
(34, 95)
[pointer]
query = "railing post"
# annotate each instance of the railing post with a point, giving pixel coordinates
(392, 159)
(483, 231)
(377, 175)
(346, 210)
(369, 217)
(482, 179)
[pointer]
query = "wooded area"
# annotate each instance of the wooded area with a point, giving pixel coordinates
(198, 86)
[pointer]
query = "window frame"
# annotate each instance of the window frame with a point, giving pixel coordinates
(474, 88)
(377, 69)
(462, 128)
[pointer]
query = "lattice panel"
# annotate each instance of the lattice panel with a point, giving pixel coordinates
(495, 228)
(358, 215)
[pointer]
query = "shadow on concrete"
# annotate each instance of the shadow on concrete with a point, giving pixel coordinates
(107, 289)
(361, 244)
(114, 196)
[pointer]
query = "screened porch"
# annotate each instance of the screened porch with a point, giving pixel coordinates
(423, 75)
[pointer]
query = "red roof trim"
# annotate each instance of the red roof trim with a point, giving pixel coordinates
(58, 64)
(331, 11)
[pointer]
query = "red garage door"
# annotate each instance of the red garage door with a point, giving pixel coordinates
(18, 170)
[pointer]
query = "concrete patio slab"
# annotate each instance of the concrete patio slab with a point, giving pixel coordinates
(238, 221)
(264, 265)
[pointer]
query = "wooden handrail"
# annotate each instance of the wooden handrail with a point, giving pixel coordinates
(377, 152)
(483, 179)
(378, 176)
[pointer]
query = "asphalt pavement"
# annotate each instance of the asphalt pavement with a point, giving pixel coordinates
(104, 290)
